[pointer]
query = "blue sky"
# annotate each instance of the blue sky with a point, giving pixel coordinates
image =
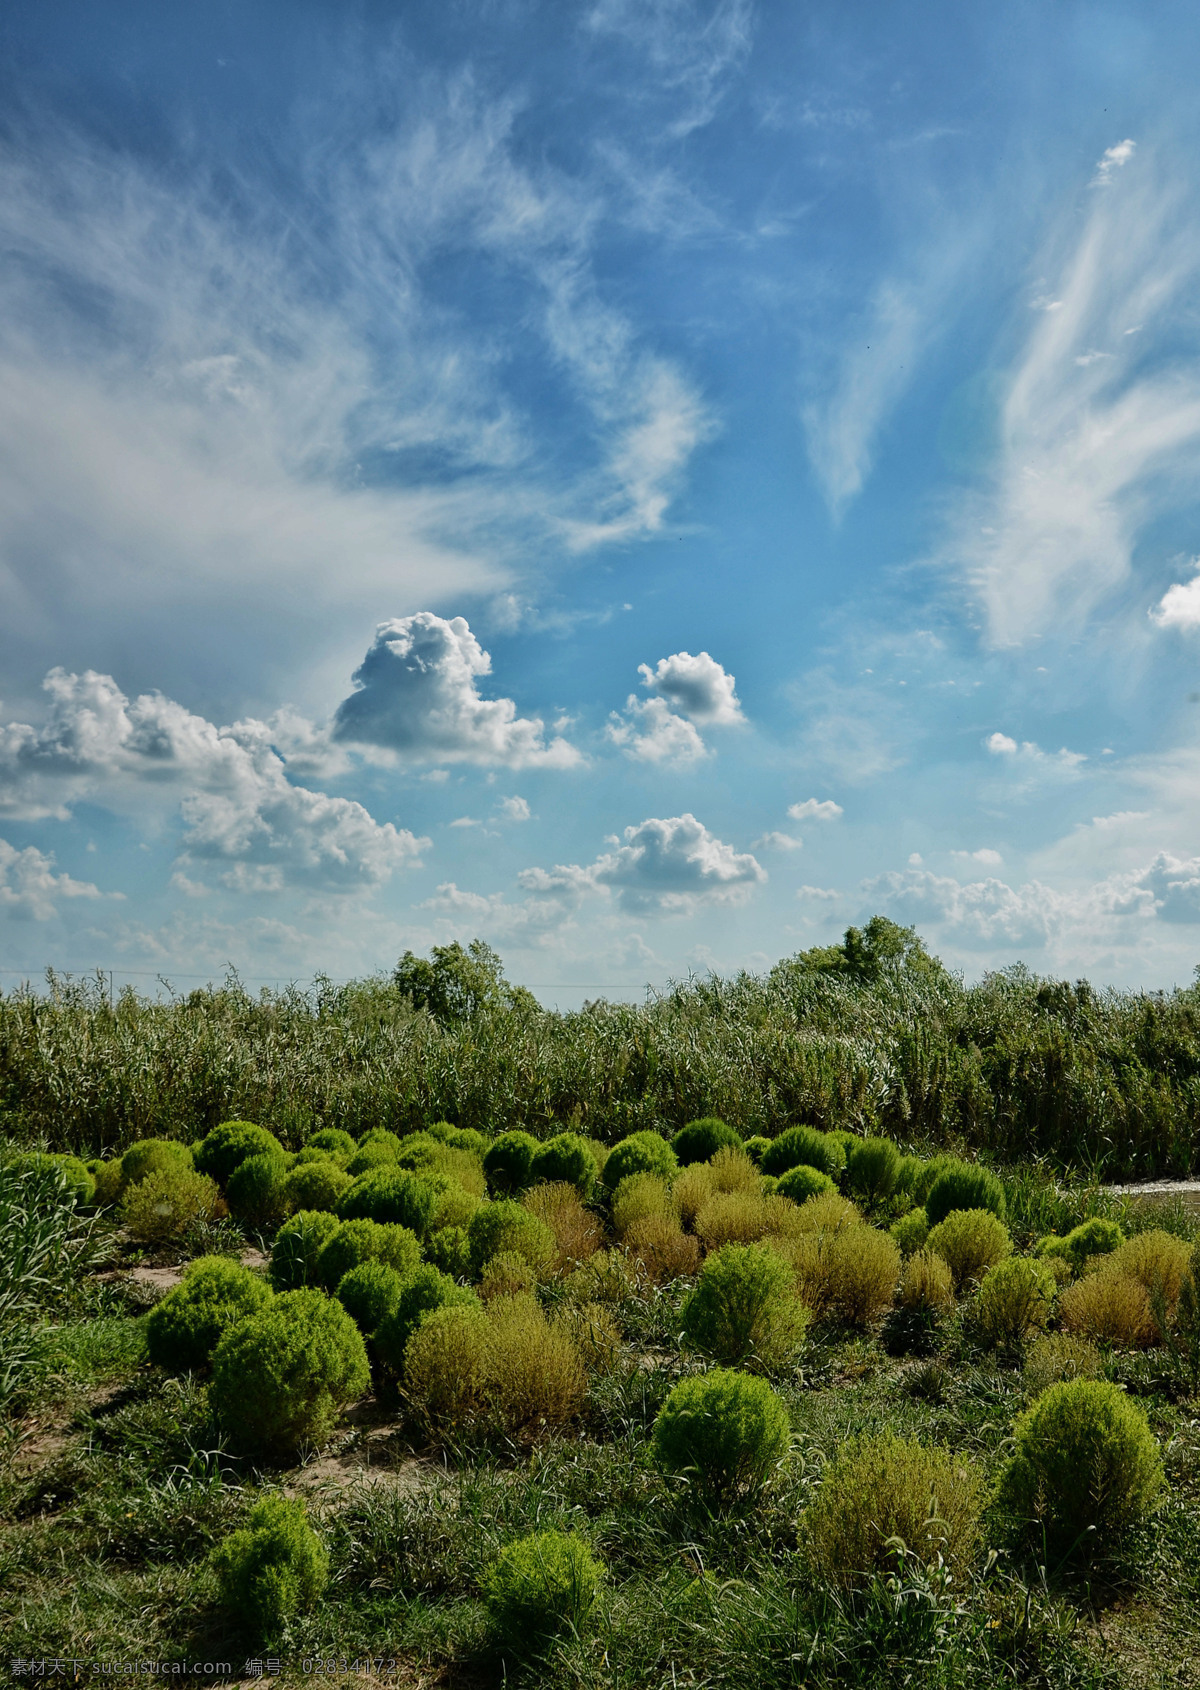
(648, 484)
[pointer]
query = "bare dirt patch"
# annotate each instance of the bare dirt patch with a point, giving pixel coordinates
(327, 1478)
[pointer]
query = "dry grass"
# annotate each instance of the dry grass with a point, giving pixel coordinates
(692, 1190)
(506, 1275)
(1109, 1307)
(447, 1366)
(731, 1217)
(732, 1170)
(607, 1277)
(661, 1249)
(863, 1266)
(826, 1213)
(926, 1283)
(595, 1334)
(1060, 1355)
(537, 1378)
(971, 1241)
(1156, 1260)
(638, 1196)
(577, 1232)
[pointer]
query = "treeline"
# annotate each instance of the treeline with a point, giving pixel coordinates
(873, 1035)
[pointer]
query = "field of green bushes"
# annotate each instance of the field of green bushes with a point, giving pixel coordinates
(777, 1332)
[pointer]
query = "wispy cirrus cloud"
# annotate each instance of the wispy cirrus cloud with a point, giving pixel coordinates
(1099, 427)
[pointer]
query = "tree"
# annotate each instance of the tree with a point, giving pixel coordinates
(456, 985)
(867, 954)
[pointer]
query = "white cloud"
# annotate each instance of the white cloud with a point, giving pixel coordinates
(230, 784)
(1030, 758)
(651, 732)
(1098, 433)
(30, 888)
(417, 696)
(1112, 160)
(692, 48)
(778, 842)
(1179, 606)
(664, 866)
(513, 809)
(823, 894)
(687, 690)
(698, 687)
(985, 855)
(816, 810)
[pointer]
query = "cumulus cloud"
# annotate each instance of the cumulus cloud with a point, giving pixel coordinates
(513, 809)
(241, 812)
(815, 810)
(1098, 431)
(1179, 606)
(417, 695)
(985, 855)
(29, 886)
(698, 687)
(650, 731)
(686, 690)
(664, 866)
(1111, 161)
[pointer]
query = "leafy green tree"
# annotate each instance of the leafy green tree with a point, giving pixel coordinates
(457, 985)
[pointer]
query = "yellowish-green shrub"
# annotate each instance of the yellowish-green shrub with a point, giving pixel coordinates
(692, 1189)
(1015, 1298)
(970, 1241)
(802, 1182)
(911, 1231)
(505, 1275)
(315, 1185)
(271, 1570)
(1156, 1260)
(878, 1490)
(506, 1225)
(606, 1277)
(169, 1200)
(577, 1232)
(110, 1182)
(661, 1249)
(863, 1265)
(447, 1365)
(454, 1207)
(536, 1375)
(724, 1433)
(1109, 1307)
(1060, 1355)
(926, 1283)
(732, 1217)
(538, 1588)
(827, 1213)
(732, 1170)
(639, 1195)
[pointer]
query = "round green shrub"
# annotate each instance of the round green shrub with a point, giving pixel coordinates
(538, 1588)
(756, 1148)
(420, 1153)
(1095, 1237)
(297, 1246)
(743, 1308)
(381, 1135)
(315, 1185)
(361, 1241)
(640, 1153)
(148, 1155)
(230, 1144)
(73, 1180)
(334, 1140)
(911, 1231)
(370, 1157)
(802, 1182)
(424, 1290)
(508, 1225)
(184, 1329)
(872, 1169)
(969, 1241)
(271, 1570)
(459, 1138)
(566, 1157)
(164, 1204)
(281, 1377)
(908, 1176)
(923, 1176)
(449, 1250)
(964, 1185)
(1086, 1465)
(879, 1490)
(394, 1195)
(1014, 1300)
(109, 1183)
(369, 1293)
(701, 1139)
(508, 1162)
(844, 1140)
(257, 1190)
(725, 1431)
(805, 1146)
